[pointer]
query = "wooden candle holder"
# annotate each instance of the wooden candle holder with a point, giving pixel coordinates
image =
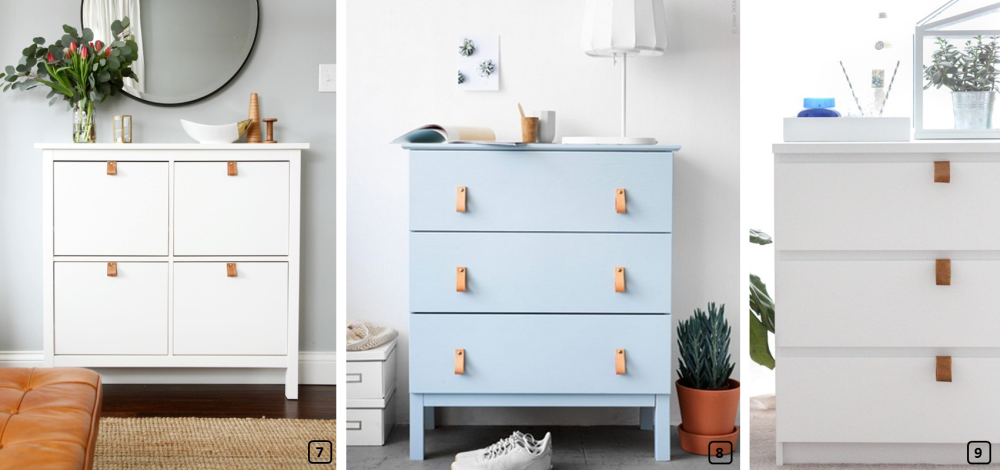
(270, 131)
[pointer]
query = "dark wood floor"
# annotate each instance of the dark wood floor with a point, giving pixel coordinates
(218, 401)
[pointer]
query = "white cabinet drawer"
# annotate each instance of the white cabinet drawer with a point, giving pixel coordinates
(217, 214)
(370, 426)
(371, 379)
(887, 303)
(100, 314)
(215, 314)
(886, 206)
(96, 213)
(886, 400)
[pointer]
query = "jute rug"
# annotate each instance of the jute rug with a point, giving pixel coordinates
(214, 444)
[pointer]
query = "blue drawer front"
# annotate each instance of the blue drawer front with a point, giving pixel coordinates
(540, 354)
(538, 191)
(540, 272)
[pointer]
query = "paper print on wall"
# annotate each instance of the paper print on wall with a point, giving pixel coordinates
(478, 62)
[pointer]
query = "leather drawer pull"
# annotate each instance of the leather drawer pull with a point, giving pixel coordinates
(620, 204)
(354, 425)
(943, 272)
(231, 168)
(354, 378)
(112, 168)
(942, 172)
(619, 279)
(460, 196)
(231, 269)
(112, 269)
(460, 273)
(619, 362)
(943, 372)
(459, 362)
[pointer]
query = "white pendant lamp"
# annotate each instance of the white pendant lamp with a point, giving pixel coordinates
(618, 29)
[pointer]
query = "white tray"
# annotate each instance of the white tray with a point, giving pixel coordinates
(847, 129)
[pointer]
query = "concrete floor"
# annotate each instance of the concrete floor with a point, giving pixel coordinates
(574, 447)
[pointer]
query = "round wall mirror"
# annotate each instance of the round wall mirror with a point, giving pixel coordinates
(188, 49)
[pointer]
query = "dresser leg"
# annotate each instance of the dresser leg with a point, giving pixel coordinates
(292, 384)
(661, 428)
(429, 418)
(646, 418)
(416, 426)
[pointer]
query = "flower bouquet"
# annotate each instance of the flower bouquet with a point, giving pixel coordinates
(78, 69)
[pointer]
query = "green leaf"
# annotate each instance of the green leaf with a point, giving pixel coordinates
(126, 22)
(21, 68)
(103, 62)
(113, 62)
(39, 40)
(53, 101)
(126, 50)
(88, 35)
(760, 351)
(103, 76)
(760, 238)
(10, 70)
(70, 30)
(117, 28)
(67, 40)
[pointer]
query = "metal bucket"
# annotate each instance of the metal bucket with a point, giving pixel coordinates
(973, 109)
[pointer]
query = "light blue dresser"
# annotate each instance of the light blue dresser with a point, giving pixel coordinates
(540, 276)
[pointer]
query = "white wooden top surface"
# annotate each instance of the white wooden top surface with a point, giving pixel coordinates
(915, 146)
(189, 146)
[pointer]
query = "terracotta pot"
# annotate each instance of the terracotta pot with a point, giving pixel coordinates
(703, 445)
(709, 412)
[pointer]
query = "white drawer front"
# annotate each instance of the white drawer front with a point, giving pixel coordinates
(99, 214)
(886, 206)
(887, 303)
(886, 400)
(371, 379)
(218, 214)
(220, 315)
(370, 427)
(99, 314)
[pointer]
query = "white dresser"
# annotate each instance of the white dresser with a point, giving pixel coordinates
(371, 395)
(888, 282)
(172, 256)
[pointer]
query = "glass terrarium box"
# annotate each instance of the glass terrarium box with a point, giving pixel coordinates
(956, 72)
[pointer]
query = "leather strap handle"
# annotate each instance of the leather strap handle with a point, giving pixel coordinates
(230, 269)
(459, 362)
(942, 172)
(112, 168)
(621, 206)
(619, 362)
(620, 279)
(943, 372)
(943, 272)
(231, 169)
(112, 269)
(461, 193)
(460, 273)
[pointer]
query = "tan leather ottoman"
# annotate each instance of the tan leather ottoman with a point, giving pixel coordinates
(48, 418)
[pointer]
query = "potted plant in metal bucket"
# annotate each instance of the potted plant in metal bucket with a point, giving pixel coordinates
(708, 398)
(971, 75)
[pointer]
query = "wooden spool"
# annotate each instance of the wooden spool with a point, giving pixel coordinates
(270, 131)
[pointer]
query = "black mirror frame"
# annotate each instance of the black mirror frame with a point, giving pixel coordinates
(253, 45)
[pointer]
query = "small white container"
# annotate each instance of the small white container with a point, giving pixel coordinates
(546, 126)
(847, 129)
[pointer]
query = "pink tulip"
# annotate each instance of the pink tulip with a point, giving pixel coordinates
(50, 57)
(100, 46)
(72, 47)
(68, 53)
(107, 52)
(84, 53)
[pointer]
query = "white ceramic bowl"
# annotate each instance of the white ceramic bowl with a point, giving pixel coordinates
(224, 134)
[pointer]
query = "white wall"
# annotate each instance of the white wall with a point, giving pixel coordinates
(791, 51)
(402, 74)
(294, 38)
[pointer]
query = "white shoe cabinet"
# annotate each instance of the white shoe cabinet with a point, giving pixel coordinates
(886, 276)
(172, 256)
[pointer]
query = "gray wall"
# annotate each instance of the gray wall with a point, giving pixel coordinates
(295, 37)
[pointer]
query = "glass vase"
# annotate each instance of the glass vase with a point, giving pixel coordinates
(84, 131)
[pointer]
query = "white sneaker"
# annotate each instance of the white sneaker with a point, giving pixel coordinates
(511, 454)
(518, 435)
